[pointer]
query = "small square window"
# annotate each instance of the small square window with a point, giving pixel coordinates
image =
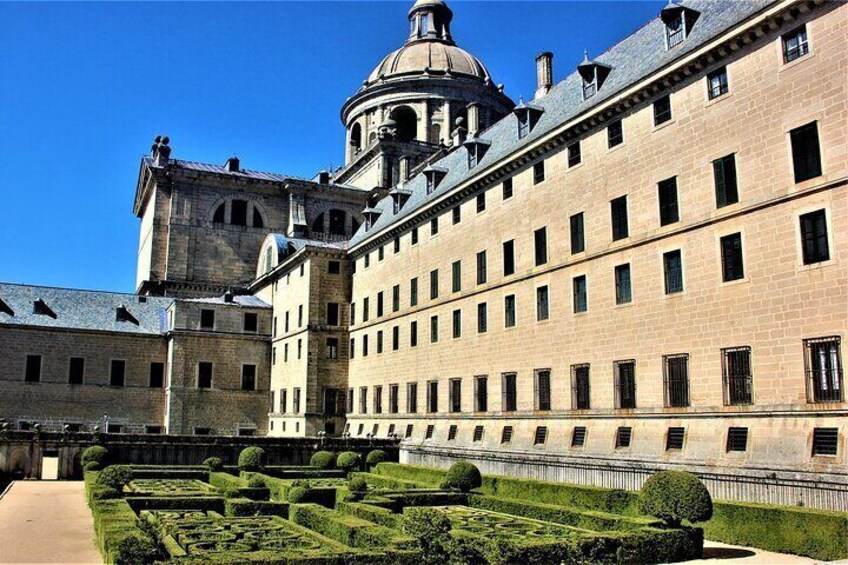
(506, 435)
(623, 436)
(541, 435)
(737, 439)
(578, 436)
(207, 319)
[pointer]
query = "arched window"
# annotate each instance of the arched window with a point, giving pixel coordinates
(239, 212)
(337, 222)
(372, 137)
(318, 224)
(269, 254)
(407, 123)
(356, 136)
(257, 218)
(218, 218)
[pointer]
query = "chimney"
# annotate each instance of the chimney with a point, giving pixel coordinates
(544, 73)
(233, 164)
(228, 297)
(161, 151)
(403, 164)
(473, 111)
(323, 177)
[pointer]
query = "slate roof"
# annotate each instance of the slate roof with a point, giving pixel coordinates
(286, 245)
(82, 309)
(637, 56)
(238, 300)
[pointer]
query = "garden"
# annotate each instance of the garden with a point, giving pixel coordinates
(346, 509)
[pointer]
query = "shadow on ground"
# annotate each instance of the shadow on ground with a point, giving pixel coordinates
(727, 553)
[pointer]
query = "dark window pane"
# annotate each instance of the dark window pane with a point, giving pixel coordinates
(669, 212)
(117, 373)
(618, 211)
(814, 244)
(732, 267)
(238, 212)
(823, 363)
(623, 292)
(795, 44)
(157, 375)
(717, 83)
(736, 373)
(625, 384)
(33, 369)
(578, 244)
(540, 237)
(806, 155)
(676, 380)
(662, 110)
(673, 266)
(580, 298)
(615, 134)
(580, 390)
(76, 371)
(724, 171)
(509, 257)
(538, 172)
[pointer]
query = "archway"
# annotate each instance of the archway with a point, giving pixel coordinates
(356, 136)
(407, 123)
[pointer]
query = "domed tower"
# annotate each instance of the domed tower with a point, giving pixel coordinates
(415, 100)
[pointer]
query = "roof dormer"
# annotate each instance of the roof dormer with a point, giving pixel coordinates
(41, 308)
(399, 197)
(593, 74)
(678, 22)
(371, 217)
(528, 115)
(122, 314)
(476, 150)
(5, 308)
(434, 176)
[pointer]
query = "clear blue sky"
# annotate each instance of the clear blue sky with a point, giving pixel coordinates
(86, 87)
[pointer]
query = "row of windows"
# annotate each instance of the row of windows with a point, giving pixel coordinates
(331, 350)
(822, 361)
(333, 401)
(250, 321)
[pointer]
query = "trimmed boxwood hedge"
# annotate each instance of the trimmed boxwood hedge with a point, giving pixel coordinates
(383, 481)
(236, 487)
(377, 514)
(347, 529)
(152, 472)
(203, 503)
(246, 507)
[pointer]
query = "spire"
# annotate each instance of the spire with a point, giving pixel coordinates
(430, 19)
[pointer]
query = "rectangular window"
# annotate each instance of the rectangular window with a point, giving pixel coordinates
(434, 226)
(732, 264)
(574, 156)
(396, 298)
(286, 353)
(413, 236)
(204, 374)
(825, 441)
(367, 260)
(284, 400)
(523, 124)
(350, 402)
(412, 398)
(482, 318)
(814, 245)
(667, 191)
(543, 390)
(413, 292)
(541, 435)
(334, 267)
(509, 257)
(332, 348)
(509, 311)
(432, 396)
(580, 392)
(625, 384)
(457, 324)
(662, 110)
(248, 377)
(578, 242)
(365, 346)
(482, 273)
(456, 276)
(676, 375)
(578, 436)
(287, 322)
(674, 438)
(510, 392)
(394, 393)
(429, 433)
(737, 439)
(413, 334)
(207, 319)
(117, 372)
(724, 172)
(618, 213)
(481, 202)
(615, 134)
(478, 433)
(296, 400)
(434, 329)
(251, 322)
(622, 437)
(351, 350)
(673, 268)
(540, 238)
(675, 30)
(581, 301)
(481, 393)
(506, 435)
(381, 253)
(455, 393)
(363, 400)
(452, 432)
(795, 44)
(507, 188)
(806, 155)
(157, 375)
(76, 371)
(32, 373)
(542, 304)
(538, 172)
(332, 314)
(300, 315)
(378, 399)
(395, 338)
(434, 284)
(823, 365)
(456, 214)
(717, 83)
(623, 290)
(200, 431)
(379, 304)
(396, 245)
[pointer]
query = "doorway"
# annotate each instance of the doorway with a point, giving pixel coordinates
(50, 466)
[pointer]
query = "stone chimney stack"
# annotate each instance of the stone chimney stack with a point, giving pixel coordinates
(403, 165)
(161, 151)
(544, 73)
(473, 111)
(233, 164)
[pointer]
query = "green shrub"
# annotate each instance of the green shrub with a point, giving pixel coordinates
(115, 477)
(214, 463)
(251, 459)
(323, 460)
(431, 530)
(674, 496)
(255, 481)
(297, 494)
(94, 457)
(346, 529)
(348, 461)
(358, 487)
(245, 507)
(376, 457)
(135, 550)
(102, 492)
(463, 476)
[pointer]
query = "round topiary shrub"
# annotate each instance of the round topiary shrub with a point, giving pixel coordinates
(251, 459)
(674, 496)
(348, 461)
(135, 550)
(463, 476)
(358, 486)
(214, 463)
(94, 457)
(376, 456)
(297, 494)
(255, 481)
(115, 476)
(323, 460)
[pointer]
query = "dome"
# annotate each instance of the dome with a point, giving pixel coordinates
(433, 57)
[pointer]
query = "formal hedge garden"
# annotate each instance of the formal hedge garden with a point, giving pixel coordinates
(331, 513)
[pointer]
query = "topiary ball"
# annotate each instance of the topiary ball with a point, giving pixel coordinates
(115, 476)
(297, 494)
(323, 460)
(463, 476)
(255, 481)
(358, 485)
(376, 456)
(348, 461)
(251, 459)
(674, 496)
(214, 463)
(94, 457)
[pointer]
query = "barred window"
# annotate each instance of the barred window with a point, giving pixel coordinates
(736, 373)
(543, 390)
(676, 376)
(510, 392)
(823, 365)
(580, 390)
(675, 30)
(625, 384)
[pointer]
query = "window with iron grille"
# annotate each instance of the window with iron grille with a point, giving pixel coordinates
(510, 392)
(452, 432)
(394, 393)
(806, 154)
(717, 83)
(395, 338)
(541, 435)
(481, 393)
(622, 437)
(455, 395)
(662, 110)
(540, 238)
(507, 188)
(434, 329)
(396, 298)
(378, 399)
(615, 134)
(457, 324)
(413, 292)
(737, 439)
(580, 300)
(737, 376)
(481, 202)
(618, 212)
(724, 172)
(732, 263)
(430, 429)
(823, 365)
(578, 436)
(667, 191)
(409, 429)
(543, 389)
(625, 384)
(434, 226)
(623, 290)
(363, 400)
(578, 242)
(413, 334)
(674, 438)
(676, 375)
(580, 391)
(509, 257)
(795, 44)
(814, 245)
(538, 172)
(509, 311)
(456, 214)
(434, 284)
(478, 433)
(825, 441)
(506, 434)
(412, 398)
(574, 155)
(673, 270)
(432, 396)
(456, 276)
(481, 267)
(542, 303)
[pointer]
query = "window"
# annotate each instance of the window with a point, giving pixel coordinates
(251, 322)
(580, 299)
(395, 338)
(434, 329)
(674, 438)
(825, 441)
(523, 124)
(823, 365)
(452, 432)
(662, 110)
(673, 266)
(363, 400)
(396, 298)
(538, 172)
(481, 393)
(413, 292)
(381, 253)
(667, 191)
(286, 353)
(578, 243)
(574, 156)
(732, 267)
(481, 202)
(32, 373)
(117, 372)
(814, 244)
(478, 433)
(434, 284)
(286, 324)
(543, 390)
(482, 273)
(507, 188)
(457, 324)
(482, 318)
(675, 30)
(506, 435)
(409, 428)
(248, 377)
(333, 314)
(349, 405)
(299, 348)
(207, 319)
(157, 375)
(432, 396)
(300, 315)
(541, 435)
(542, 304)
(379, 304)
(510, 392)
(76, 371)
(332, 348)
(434, 226)
(737, 439)
(396, 245)
(625, 384)
(334, 267)
(724, 171)
(676, 376)
(456, 276)
(201, 431)
(380, 341)
(580, 392)
(394, 392)
(717, 83)
(413, 236)
(412, 398)
(378, 399)
(622, 437)
(429, 433)
(153, 430)
(365, 346)
(351, 349)
(795, 44)
(615, 134)
(806, 155)
(509, 311)
(413, 334)
(367, 260)
(540, 238)
(455, 395)
(623, 290)
(456, 214)
(296, 400)
(284, 400)
(618, 212)
(578, 436)
(509, 257)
